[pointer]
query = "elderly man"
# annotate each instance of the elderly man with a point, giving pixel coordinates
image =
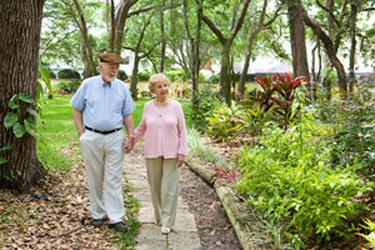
(102, 105)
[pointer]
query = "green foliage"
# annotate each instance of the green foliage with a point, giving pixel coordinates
(175, 75)
(290, 180)
(204, 151)
(69, 86)
(201, 77)
(214, 79)
(122, 75)
(354, 124)
(370, 236)
(45, 76)
(127, 239)
(144, 75)
(203, 105)
(225, 122)
(68, 74)
(2, 149)
(15, 120)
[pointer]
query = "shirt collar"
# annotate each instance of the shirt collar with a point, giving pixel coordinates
(105, 84)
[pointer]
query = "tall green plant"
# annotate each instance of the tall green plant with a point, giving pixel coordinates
(300, 189)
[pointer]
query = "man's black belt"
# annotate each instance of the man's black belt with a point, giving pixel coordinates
(101, 131)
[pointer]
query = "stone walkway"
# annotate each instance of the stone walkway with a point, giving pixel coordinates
(184, 235)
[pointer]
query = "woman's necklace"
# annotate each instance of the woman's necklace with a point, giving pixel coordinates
(163, 103)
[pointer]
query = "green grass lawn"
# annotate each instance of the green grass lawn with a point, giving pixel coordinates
(57, 133)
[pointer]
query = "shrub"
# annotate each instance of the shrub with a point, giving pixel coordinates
(52, 75)
(122, 75)
(68, 74)
(225, 122)
(201, 77)
(354, 139)
(203, 105)
(144, 75)
(214, 79)
(68, 87)
(290, 180)
(175, 75)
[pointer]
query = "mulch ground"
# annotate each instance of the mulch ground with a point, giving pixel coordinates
(214, 228)
(54, 215)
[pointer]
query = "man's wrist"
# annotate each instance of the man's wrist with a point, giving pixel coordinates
(131, 136)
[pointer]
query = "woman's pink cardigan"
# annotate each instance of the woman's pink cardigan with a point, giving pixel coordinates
(164, 130)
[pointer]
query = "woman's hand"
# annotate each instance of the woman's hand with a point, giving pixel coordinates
(180, 160)
(128, 144)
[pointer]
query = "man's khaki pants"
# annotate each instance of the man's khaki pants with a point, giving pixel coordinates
(163, 176)
(104, 159)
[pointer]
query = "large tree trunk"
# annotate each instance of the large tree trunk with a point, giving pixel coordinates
(20, 25)
(225, 74)
(297, 38)
(134, 81)
(86, 49)
(120, 20)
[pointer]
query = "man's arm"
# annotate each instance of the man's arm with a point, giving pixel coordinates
(77, 117)
(129, 125)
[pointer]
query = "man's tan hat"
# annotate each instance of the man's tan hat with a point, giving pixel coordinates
(111, 58)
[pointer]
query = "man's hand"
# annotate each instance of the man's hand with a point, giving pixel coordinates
(180, 160)
(128, 145)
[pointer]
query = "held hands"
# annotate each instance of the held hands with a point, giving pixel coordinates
(180, 160)
(128, 144)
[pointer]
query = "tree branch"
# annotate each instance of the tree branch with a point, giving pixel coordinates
(214, 29)
(328, 11)
(240, 21)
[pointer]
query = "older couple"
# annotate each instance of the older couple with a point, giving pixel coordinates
(102, 105)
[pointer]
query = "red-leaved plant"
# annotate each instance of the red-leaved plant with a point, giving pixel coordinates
(285, 87)
(263, 97)
(278, 93)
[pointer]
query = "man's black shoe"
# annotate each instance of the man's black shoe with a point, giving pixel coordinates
(118, 227)
(97, 222)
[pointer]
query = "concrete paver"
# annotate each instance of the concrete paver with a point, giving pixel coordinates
(184, 235)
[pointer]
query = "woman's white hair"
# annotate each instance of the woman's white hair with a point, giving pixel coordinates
(156, 78)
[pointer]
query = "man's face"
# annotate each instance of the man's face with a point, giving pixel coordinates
(109, 71)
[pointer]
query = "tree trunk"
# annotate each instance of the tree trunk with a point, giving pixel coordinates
(86, 49)
(163, 40)
(297, 38)
(134, 81)
(227, 43)
(112, 30)
(249, 48)
(331, 53)
(225, 74)
(121, 17)
(196, 50)
(353, 43)
(20, 26)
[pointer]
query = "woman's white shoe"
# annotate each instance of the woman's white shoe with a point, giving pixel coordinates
(165, 230)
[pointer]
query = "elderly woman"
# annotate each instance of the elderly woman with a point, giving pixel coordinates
(164, 130)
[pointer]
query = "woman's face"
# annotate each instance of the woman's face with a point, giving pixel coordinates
(161, 89)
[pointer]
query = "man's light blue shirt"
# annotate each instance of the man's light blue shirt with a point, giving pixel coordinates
(103, 105)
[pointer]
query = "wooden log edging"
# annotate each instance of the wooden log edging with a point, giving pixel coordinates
(250, 237)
